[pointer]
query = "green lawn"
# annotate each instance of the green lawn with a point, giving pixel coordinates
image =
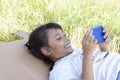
(75, 16)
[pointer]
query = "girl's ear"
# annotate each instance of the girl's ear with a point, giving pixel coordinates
(45, 51)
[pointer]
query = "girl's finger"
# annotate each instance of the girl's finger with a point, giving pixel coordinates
(89, 36)
(108, 39)
(106, 35)
(104, 30)
(95, 41)
(87, 33)
(86, 36)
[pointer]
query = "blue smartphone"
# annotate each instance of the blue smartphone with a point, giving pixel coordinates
(98, 33)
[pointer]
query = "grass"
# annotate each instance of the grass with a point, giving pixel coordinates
(75, 16)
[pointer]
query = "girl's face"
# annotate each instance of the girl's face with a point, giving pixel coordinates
(59, 43)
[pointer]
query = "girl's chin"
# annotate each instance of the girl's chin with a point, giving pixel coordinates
(70, 50)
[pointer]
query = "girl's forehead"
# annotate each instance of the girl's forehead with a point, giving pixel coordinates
(53, 32)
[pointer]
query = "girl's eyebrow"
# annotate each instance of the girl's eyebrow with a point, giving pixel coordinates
(56, 35)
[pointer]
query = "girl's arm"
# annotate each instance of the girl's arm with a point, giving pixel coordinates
(88, 45)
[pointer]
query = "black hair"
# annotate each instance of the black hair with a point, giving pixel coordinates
(38, 39)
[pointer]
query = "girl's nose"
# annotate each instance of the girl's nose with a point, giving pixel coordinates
(66, 38)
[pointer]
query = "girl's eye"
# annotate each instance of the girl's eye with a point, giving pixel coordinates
(59, 38)
(64, 34)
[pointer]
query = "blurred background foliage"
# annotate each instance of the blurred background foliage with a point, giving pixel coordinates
(75, 16)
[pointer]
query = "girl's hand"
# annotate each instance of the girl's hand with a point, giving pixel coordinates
(88, 43)
(104, 46)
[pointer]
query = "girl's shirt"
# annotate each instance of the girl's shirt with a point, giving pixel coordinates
(106, 66)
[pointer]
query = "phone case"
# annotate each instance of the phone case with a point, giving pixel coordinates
(98, 33)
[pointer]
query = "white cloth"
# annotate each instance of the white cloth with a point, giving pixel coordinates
(70, 67)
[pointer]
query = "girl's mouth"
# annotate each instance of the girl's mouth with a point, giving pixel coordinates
(68, 45)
